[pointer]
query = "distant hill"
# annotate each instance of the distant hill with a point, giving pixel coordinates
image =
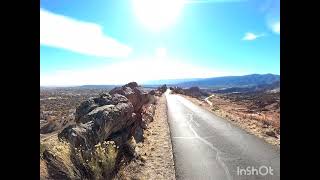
(96, 86)
(79, 87)
(274, 87)
(168, 81)
(215, 82)
(232, 81)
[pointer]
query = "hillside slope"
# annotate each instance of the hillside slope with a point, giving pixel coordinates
(233, 81)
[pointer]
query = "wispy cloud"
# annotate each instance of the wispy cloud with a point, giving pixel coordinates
(141, 70)
(82, 37)
(276, 27)
(249, 36)
(271, 9)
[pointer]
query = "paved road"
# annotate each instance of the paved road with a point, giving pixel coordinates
(207, 100)
(208, 147)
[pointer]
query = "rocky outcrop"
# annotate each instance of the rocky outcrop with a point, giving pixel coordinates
(123, 112)
(98, 118)
(195, 92)
(162, 89)
(143, 104)
(52, 126)
(120, 116)
(135, 94)
(48, 127)
(192, 91)
(147, 115)
(177, 90)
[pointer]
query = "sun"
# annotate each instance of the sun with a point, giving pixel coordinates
(161, 52)
(157, 15)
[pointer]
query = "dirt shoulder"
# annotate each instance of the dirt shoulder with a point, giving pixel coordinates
(252, 123)
(156, 158)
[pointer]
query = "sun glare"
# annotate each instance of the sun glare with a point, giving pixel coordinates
(157, 14)
(161, 52)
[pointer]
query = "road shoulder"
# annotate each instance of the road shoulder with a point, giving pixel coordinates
(249, 125)
(156, 158)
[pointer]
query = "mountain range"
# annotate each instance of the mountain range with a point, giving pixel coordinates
(223, 82)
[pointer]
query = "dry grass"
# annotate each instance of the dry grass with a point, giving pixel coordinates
(42, 149)
(101, 161)
(258, 124)
(61, 150)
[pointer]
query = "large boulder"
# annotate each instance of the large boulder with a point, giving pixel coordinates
(135, 94)
(123, 112)
(106, 117)
(104, 99)
(48, 127)
(163, 88)
(159, 91)
(148, 112)
(177, 90)
(132, 85)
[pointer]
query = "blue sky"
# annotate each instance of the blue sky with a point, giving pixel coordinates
(113, 42)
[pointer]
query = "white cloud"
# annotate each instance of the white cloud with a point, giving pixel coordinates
(251, 36)
(141, 70)
(276, 27)
(271, 9)
(82, 37)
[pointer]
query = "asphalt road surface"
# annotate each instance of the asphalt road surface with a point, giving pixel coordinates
(206, 146)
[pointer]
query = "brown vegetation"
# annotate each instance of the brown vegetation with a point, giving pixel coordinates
(256, 112)
(58, 105)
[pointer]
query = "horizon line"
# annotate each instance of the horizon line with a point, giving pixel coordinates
(145, 83)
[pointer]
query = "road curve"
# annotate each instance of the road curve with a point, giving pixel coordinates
(206, 146)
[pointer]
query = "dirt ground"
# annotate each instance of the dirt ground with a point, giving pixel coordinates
(265, 125)
(155, 158)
